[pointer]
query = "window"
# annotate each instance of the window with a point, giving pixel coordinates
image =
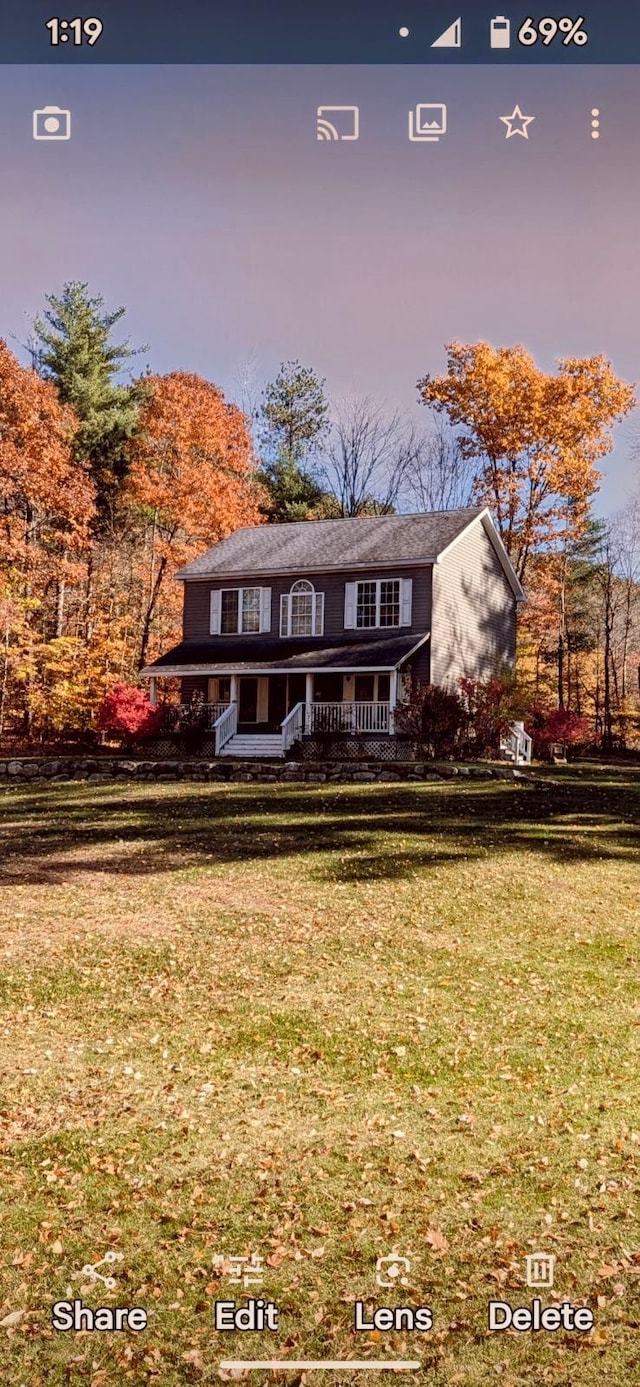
(229, 612)
(378, 603)
(219, 690)
(371, 688)
(240, 611)
(302, 610)
(250, 609)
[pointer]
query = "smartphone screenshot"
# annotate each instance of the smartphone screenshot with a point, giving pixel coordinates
(319, 693)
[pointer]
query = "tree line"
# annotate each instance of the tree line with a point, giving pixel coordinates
(111, 479)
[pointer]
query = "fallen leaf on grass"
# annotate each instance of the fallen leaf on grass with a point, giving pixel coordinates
(437, 1240)
(194, 1358)
(13, 1318)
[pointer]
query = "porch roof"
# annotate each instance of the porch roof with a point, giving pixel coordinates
(264, 655)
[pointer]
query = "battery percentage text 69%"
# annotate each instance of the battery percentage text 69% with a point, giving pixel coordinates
(571, 30)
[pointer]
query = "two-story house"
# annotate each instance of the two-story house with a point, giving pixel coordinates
(294, 630)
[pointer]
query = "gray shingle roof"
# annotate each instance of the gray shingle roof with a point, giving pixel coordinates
(233, 655)
(315, 545)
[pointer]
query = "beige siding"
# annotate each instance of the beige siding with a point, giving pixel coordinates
(473, 628)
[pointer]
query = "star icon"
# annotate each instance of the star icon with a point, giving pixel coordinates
(517, 124)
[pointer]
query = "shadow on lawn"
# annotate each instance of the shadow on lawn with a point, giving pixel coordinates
(50, 835)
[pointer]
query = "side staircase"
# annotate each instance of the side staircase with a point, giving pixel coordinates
(249, 745)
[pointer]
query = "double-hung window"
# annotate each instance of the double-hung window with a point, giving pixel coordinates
(240, 611)
(378, 602)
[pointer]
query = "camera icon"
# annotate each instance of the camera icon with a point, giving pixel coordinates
(52, 123)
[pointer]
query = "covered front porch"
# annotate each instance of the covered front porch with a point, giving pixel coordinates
(266, 707)
(268, 714)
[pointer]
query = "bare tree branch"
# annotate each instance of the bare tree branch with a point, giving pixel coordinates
(367, 457)
(439, 476)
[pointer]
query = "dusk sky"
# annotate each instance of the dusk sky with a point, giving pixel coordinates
(201, 199)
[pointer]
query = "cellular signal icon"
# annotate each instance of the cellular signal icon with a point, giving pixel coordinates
(452, 37)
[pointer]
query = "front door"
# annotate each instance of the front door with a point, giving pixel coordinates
(277, 700)
(248, 700)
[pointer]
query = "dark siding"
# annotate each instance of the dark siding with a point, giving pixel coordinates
(194, 684)
(419, 664)
(196, 605)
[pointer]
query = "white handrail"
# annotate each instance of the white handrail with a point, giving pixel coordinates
(225, 726)
(209, 711)
(347, 717)
(292, 726)
(517, 746)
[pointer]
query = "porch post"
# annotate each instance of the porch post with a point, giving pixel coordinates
(308, 698)
(393, 699)
(234, 689)
(153, 692)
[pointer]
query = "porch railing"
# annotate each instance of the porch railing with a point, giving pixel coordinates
(226, 725)
(347, 717)
(517, 745)
(206, 713)
(292, 727)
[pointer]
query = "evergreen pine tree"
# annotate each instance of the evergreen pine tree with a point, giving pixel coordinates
(294, 423)
(72, 346)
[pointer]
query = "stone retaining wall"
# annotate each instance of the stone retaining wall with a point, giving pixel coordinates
(26, 770)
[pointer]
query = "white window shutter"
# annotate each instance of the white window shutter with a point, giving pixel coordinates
(405, 601)
(265, 609)
(318, 627)
(284, 614)
(215, 612)
(350, 603)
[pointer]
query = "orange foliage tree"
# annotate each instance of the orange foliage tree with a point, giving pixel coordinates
(47, 505)
(535, 437)
(191, 480)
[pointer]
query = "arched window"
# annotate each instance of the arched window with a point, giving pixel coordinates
(302, 610)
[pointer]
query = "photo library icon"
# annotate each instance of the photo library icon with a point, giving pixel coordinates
(427, 122)
(540, 1268)
(338, 123)
(52, 123)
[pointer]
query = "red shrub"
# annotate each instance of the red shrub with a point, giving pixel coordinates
(432, 717)
(487, 706)
(126, 711)
(549, 725)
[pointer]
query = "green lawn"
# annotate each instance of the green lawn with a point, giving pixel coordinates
(321, 1024)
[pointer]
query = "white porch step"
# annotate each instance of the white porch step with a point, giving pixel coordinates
(249, 744)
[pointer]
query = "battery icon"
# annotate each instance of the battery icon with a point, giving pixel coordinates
(500, 32)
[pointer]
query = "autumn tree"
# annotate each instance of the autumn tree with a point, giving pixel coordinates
(73, 347)
(191, 480)
(536, 437)
(47, 506)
